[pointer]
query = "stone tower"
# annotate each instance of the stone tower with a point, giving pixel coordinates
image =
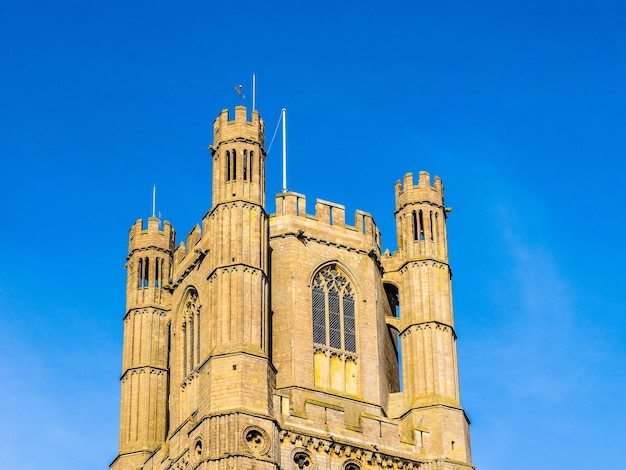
(289, 340)
(145, 370)
(418, 281)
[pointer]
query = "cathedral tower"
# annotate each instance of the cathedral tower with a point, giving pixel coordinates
(290, 340)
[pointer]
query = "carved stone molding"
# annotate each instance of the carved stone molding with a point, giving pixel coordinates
(302, 459)
(355, 456)
(256, 440)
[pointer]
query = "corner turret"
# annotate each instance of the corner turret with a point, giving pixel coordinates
(149, 263)
(145, 374)
(420, 218)
(418, 281)
(238, 158)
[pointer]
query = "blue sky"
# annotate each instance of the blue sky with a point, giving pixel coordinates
(519, 106)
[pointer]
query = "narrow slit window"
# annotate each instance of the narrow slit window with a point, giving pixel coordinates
(245, 165)
(140, 274)
(227, 165)
(234, 164)
(421, 224)
(146, 272)
(414, 226)
(157, 273)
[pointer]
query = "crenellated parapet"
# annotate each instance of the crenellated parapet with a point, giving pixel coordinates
(152, 236)
(239, 129)
(407, 192)
(149, 263)
(326, 225)
(238, 158)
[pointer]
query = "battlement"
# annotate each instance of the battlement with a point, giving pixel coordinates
(408, 192)
(328, 216)
(225, 129)
(152, 236)
(183, 248)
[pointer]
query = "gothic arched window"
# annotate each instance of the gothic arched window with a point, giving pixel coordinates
(334, 331)
(333, 310)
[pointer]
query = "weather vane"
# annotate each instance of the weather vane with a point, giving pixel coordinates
(239, 90)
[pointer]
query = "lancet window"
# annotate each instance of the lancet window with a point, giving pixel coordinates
(227, 165)
(143, 272)
(191, 332)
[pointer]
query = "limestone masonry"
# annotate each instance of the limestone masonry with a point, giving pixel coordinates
(280, 341)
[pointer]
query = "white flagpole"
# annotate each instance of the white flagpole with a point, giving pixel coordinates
(284, 150)
(154, 201)
(253, 91)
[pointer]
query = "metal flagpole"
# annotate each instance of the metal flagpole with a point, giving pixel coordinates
(284, 150)
(154, 201)
(253, 91)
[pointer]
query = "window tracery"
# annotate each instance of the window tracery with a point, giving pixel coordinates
(334, 330)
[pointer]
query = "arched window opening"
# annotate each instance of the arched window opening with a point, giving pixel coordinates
(393, 371)
(250, 164)
(245, 165)
(437, 226)
(140, 274)
(234, 164)
(334, 331)
(157, 272)
(227, 165)
(146, 271)
(421, 224)
(333, 310)
(393, 297)
(414, 226)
